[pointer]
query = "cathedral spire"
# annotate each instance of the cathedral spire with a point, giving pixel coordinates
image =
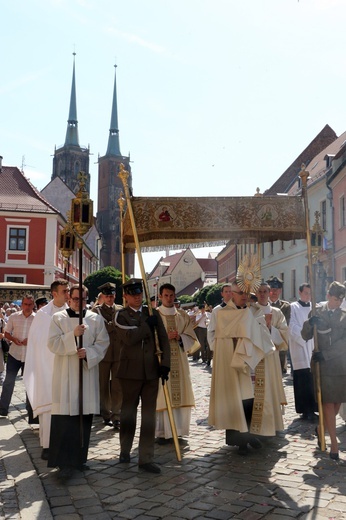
(72, 123)
(113, 140)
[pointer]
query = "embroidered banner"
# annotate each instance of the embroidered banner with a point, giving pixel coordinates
(178, 221)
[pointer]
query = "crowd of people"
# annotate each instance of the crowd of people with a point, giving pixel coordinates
(111, 358)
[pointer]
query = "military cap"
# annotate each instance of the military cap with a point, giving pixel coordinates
(107, 288)
(133, 286)
(176, 300)
(337, 289)
(41, 301)
(275, 283)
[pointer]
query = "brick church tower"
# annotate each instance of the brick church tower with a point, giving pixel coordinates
(71, 158)
(109, 190)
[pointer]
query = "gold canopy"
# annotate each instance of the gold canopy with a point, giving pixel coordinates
(178, 221)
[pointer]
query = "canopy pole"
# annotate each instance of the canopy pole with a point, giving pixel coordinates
(315, 367)
(123, 174)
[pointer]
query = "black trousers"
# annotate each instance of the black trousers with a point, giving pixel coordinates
(65, 445)
(235, 438)
(146, 391)
(303, 386)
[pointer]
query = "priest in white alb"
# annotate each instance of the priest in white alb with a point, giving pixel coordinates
(38, 373)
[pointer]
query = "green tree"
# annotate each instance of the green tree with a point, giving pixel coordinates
(201, 296)
(98, 278)
(185, 298)
(214, 295)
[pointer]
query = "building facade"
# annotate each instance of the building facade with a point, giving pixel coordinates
(324, 159)
(29, 235)
(187, 273)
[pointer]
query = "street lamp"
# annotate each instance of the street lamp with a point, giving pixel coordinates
(81, 221)
(67, 243)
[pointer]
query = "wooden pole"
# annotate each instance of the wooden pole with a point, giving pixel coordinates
(315, 367)
(121, 202)
(123, 174)
(80, 341)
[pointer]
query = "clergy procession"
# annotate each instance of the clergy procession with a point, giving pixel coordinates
(138, 354)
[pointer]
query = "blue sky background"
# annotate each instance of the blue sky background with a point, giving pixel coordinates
(215, 97)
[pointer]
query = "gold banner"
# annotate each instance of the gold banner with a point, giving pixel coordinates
(178, 221)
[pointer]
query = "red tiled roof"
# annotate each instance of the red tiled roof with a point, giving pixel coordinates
(18, 194)
(209, 265)
(191, 288)
(172, 260)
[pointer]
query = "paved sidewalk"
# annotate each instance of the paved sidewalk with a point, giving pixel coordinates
(288, 478)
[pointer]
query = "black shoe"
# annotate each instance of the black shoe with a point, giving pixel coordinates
(124, 457)
(45, 454)
(150, 467)
(3, 413)
(243, 451)
(108, 422)
(116, 424)
(162, 441)
(318, 437)
(312, 417)
(255, 444)
(334, 456)
(304, 416)
(65, 473)
(84, 467)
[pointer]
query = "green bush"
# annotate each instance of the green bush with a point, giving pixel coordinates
(98, 278)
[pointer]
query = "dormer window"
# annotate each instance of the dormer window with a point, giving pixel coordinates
(329, 159)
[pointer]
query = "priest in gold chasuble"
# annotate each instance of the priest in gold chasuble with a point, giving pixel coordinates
(182, 339)
(242, 399)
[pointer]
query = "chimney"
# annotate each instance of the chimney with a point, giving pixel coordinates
(1, 163)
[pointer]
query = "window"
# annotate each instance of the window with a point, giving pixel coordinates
(271, 248)
(282, 245)
(17, 239)
(282, 277)
(293, 283)
(343, 274)
(15, 279)
(342, 212)
(324, 214)
(307, 274)
(262, 250)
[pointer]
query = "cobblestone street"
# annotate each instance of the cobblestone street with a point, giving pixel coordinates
(288, 478)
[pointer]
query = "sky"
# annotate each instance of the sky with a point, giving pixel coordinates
(215, 97)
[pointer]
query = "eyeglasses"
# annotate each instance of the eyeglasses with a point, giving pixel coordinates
(241, 293)
(77, 299)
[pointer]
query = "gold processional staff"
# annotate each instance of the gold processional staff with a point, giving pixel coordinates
(123, 175)
(315, 367)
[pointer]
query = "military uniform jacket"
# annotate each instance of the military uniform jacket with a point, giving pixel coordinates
(108, 315)
(284, 307)
(138, 359)
(331, 337)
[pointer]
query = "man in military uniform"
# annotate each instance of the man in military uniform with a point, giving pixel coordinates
(139, 372)
(110, 387)
(276, 285)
